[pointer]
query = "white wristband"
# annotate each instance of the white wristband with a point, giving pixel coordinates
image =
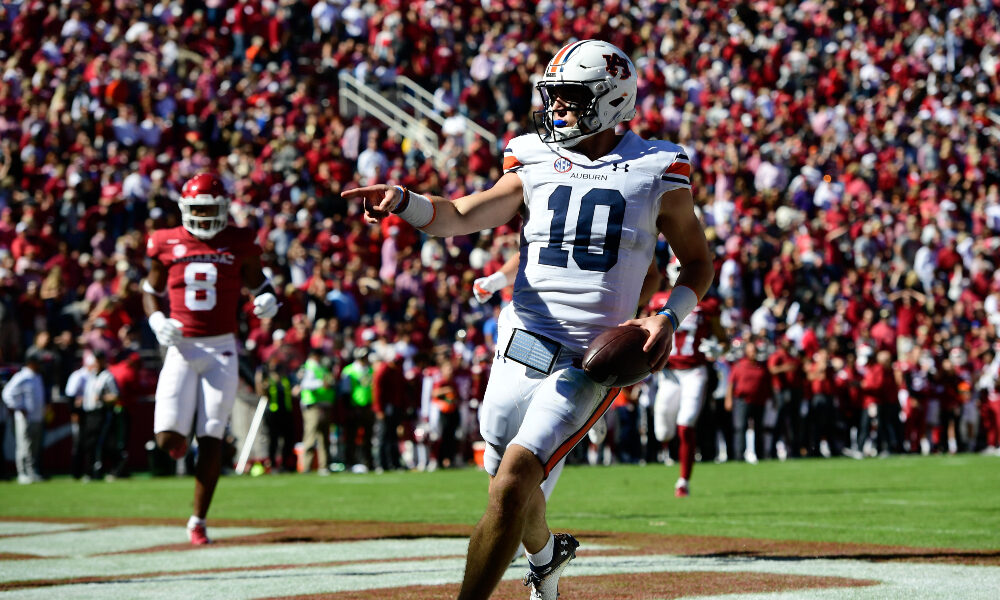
(415, 209)
(682, 301)
(148, 288)
(496, 282)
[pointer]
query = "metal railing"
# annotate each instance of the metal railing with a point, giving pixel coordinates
(422, 103)
(359, 97)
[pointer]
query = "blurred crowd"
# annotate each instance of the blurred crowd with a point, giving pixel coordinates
(843, 159)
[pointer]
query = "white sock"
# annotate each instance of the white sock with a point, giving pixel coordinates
(195, 521)
(543, 556)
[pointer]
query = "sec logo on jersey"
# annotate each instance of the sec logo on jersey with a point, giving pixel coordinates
(179, 250)
(562, 165)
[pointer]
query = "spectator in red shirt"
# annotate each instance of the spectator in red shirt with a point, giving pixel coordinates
(846, 396)
(785, 368)
(883, 333)
(260, 339)
(778, 281)
(909, 307)
(297, 337)
(390, 401)
(819, 375)
(116, 433)
(748, 391)
(952, 388)
(879, 394)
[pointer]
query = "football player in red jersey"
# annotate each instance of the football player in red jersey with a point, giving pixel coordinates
(200, 269)
(680, 388)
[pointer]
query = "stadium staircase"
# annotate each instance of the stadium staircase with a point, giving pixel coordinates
(407, 109)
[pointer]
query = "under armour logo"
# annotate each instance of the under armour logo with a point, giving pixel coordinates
(614, 167)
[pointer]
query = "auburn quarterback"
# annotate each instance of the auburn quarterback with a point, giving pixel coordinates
(594, 201)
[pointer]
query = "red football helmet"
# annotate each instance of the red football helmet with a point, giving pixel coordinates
(204, 205)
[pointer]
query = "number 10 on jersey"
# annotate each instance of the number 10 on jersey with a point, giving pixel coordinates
(554, 255)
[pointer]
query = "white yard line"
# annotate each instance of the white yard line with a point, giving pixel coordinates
(30, 527)
(227, 557)
(112, 539)
(255, 573)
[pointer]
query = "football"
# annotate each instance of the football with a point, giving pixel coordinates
(615, 357)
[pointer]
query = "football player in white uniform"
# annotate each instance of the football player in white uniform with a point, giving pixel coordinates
(594, 202)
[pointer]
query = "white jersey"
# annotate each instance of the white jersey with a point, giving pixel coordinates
(589, 232)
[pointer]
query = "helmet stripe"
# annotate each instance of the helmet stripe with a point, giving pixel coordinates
(563, 55)
(559, 55)
(575, 47)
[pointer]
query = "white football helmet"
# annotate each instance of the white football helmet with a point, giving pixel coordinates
(598, 79)
(204, 190)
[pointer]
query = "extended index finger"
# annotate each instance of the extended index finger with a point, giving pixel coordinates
(360, 191)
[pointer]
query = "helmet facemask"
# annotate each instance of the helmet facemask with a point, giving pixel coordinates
(208, 225)
(580, 97)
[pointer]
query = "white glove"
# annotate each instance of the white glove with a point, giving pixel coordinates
(167, 331)
(265, 306)
(484, 287)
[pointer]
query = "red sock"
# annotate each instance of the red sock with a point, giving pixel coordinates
(686, 451)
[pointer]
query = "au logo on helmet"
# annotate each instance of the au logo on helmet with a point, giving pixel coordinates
(618, 65)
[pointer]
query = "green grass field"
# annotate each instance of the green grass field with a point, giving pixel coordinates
(941, 501)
